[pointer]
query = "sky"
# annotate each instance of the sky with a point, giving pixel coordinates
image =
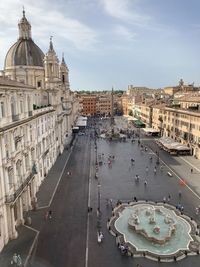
(113, 43)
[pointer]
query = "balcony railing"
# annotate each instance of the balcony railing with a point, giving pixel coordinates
(11, 198)
(40, 110)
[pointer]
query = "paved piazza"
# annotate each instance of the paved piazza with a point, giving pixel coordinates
(118, 186)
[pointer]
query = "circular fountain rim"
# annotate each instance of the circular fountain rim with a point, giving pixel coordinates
(192, 249)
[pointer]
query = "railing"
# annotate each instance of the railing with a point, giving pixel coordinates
(40, 110)
(11, 198)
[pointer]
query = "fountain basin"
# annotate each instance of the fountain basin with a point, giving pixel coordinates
(169, 234)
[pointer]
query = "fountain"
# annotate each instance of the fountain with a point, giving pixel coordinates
(151, 226)
(155, 229)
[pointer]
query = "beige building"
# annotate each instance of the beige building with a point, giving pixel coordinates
(179, 124)
(146, 114)
(37, 113)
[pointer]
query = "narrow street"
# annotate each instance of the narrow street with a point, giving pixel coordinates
(62, 238)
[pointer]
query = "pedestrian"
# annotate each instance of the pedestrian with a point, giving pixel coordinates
(182, 208)
(169, 198)
(145, 183)
(14, 259)
(19, 260)
(111, 202)
(197, 211)
(89, 209)
(191, 170)
(101, 236)
(50, 214)
(179, 194)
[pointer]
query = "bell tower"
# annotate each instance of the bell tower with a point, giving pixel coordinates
(64, 73)
(51, 65)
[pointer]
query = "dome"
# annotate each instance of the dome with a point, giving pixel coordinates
(24, 53)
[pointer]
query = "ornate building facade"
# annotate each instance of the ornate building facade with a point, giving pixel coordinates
(37, 113)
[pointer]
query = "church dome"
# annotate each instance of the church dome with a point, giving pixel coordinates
(24, 52)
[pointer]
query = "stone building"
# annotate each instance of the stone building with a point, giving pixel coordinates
(37, 113)
(182, 125)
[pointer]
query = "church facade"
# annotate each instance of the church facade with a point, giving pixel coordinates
(37, 113)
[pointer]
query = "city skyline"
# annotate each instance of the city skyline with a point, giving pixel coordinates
(112, 42)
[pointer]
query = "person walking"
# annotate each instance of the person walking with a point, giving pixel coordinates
(191, 170)
(155, 170)
(145, 183)
(197, 211)
(50, 214)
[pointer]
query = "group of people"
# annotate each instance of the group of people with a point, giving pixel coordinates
(16, 260)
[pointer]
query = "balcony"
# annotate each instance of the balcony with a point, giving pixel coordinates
(11, 198)
(41, 110)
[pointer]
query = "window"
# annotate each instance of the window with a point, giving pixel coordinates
(39, 83)
(21, 106)
(2, 110)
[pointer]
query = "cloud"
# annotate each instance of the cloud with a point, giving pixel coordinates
(46, 21)
(124, 10)
(124, 33)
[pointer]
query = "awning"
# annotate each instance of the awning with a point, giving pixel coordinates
(150, 130)
(139, 123)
